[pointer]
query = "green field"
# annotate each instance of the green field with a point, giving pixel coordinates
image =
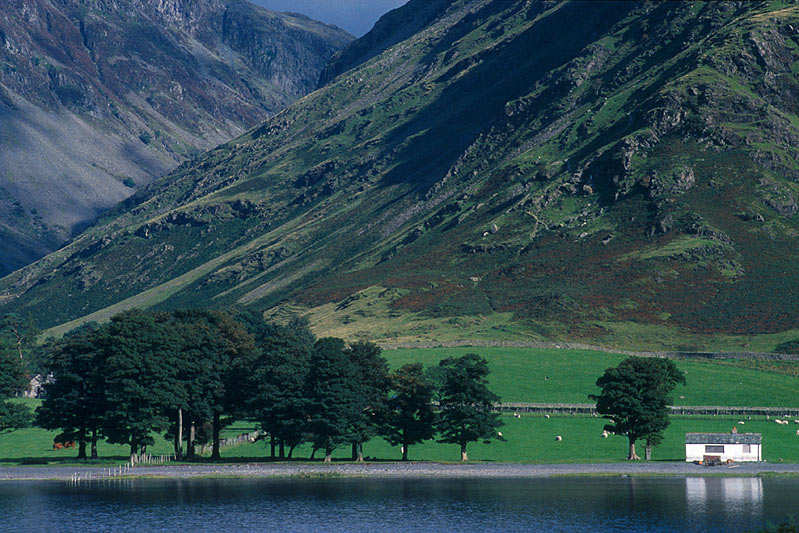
(530, 439)
(520, 375)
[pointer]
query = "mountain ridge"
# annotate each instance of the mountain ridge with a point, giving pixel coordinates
(529, 171)
(100, 98)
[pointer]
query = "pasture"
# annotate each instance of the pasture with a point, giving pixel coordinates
(569, 376)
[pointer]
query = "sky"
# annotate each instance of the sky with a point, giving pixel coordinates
(355, 16)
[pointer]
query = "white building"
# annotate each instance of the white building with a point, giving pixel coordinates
(723, 447)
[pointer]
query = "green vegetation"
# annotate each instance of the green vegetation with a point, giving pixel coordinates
(618, 185)
(530, 439)
(634, 398)
(465, 403)
(568, 376)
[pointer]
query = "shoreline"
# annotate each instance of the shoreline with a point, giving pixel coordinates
(392, 470)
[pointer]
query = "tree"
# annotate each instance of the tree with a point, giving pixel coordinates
(20, 331)
(277, 382)
(335, 403)
(635, 396)
(213, 356)
(373, 383)
(12, 381)
(409, 417)
(139, 355)
(466, 403)
(74, 400)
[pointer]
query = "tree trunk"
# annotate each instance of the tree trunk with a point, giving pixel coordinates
(217, 428)
(272, 446)
(313, 453)
(404, 452)
(282, 449)
(133, 449)
(464, 457)
(632, 456)
(94, 444)
(179, 436)
(354, 451)
(359, 457)
(82, 446)
(291, 451)
(190, 453)
(648, 452)
(328, 455)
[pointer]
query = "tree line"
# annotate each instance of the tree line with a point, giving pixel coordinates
(187, 373)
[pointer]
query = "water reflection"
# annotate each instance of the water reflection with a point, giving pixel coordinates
(368, 504)
(701, 492)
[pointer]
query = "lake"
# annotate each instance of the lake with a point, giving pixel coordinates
(379, 504)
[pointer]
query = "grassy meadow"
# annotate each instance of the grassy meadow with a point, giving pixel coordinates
(520, 375)
(530, 439)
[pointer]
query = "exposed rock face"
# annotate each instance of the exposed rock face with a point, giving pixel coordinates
(99, 97)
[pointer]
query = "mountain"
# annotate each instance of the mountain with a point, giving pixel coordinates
(617, 172)
(99, 98)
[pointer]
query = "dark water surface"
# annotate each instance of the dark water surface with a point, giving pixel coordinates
(380, 504)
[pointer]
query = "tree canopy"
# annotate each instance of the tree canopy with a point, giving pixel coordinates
(12, 381)
(634, 397)
(409, 415)
(466, 403)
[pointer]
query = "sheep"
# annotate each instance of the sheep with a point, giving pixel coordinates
(605, 434)
(499, 434)
(741, 423)
(546, 416)
(796, 421)
(558, 438)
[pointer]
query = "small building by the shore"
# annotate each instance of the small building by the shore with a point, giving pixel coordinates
(738, 447)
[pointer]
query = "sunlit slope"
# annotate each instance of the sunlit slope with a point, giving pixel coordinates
(514, 169)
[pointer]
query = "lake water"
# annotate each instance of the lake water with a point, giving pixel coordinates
(379, 504)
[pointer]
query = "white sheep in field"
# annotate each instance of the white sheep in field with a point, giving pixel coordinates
(796, 421)
(741, 423)
(605, 434)
(558, 438)
(546, 416)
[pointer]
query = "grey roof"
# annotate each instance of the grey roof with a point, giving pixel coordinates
(722, 438)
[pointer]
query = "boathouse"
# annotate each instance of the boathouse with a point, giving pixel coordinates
(713, 447)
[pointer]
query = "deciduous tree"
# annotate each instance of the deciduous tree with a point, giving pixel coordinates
(466, 403)
(74, 399)
(12, 381)
(635, 396)
(409, 416)
(334, 400)
(372, 380)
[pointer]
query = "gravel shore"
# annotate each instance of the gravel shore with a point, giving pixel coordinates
(397, 470)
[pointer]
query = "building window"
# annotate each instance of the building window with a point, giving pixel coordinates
(714, 449)
(747, 448)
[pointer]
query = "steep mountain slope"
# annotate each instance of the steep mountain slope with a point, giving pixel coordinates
(613, 171)
(98, 98)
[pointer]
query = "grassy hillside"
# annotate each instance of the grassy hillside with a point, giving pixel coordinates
(619, 172)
